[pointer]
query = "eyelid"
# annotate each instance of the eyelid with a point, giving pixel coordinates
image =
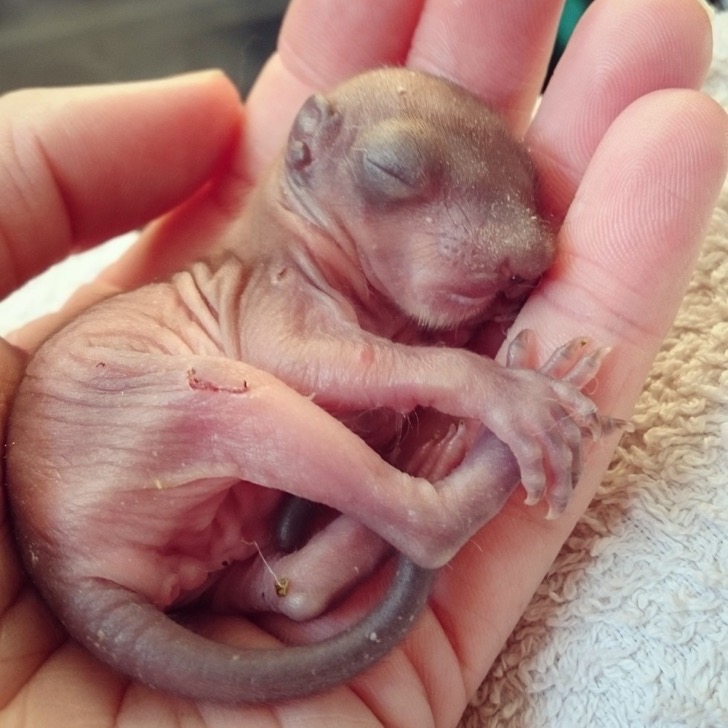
(388, 179)
(396, 162)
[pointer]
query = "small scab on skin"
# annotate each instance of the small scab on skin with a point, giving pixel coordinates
(197, 382)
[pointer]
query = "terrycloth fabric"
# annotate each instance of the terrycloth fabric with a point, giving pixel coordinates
(630, 627)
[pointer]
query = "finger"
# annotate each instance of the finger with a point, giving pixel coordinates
(659, 168)
(630, 239)
(12, 364)
(324, 42)
(620, 51)
(81, 165)
(629, 242)
(321, 43)
(499, 50)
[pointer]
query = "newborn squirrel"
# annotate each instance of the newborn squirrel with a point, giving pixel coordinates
(151, 438)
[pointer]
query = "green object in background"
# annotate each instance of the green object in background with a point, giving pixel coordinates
(573, 10)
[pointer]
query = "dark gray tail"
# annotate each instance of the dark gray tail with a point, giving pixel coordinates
(137, 639)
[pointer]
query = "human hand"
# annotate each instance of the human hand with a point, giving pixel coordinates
(634, 187)
(78, 166)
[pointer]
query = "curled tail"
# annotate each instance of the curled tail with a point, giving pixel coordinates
(134, 637)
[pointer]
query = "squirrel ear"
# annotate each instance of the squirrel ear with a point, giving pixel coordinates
(313, 128)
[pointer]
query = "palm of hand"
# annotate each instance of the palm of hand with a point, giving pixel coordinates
(596, 168)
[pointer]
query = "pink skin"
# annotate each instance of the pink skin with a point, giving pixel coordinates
(440, 445)
(150, 440)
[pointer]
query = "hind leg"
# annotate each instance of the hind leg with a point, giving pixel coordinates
(294, 582)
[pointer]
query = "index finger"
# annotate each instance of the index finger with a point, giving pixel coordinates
(619, 51)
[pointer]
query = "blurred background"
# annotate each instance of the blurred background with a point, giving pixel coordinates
(61, 42)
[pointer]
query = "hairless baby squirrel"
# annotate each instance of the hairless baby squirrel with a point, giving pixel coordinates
(151, 438)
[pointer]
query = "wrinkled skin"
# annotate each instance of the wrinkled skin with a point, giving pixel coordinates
(150, 439)
(589, 144)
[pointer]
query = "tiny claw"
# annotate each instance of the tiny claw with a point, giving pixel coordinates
(600, 354)
(520, 350)
(553, 514)
(557, 506)
(535, 486)
(595, 426)
(610, 424)
(605, 425)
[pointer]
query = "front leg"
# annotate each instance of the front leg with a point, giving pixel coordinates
(434, 450)
(348, 369)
